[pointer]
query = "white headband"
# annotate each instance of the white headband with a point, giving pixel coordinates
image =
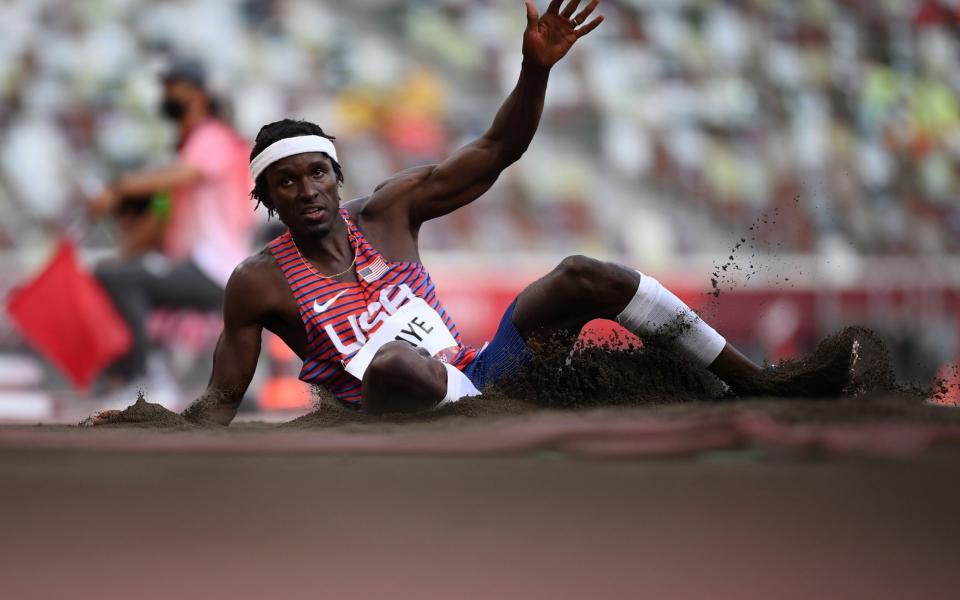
(289, 147)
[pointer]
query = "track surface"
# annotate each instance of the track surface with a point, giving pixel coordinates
(296, 524)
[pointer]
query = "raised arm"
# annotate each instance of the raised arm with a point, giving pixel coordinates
(425, 193)
(235, 358)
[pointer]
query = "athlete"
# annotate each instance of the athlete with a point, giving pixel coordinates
(344, 287)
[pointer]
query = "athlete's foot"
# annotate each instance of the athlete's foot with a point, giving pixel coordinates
(834, 369)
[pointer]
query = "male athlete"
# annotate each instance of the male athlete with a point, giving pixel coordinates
(346, 290)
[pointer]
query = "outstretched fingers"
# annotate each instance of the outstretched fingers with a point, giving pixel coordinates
(554, 7)
(586, 12)
(570, 9)
(533, 17)
(589, 26)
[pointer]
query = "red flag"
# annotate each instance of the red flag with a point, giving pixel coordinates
(65, 314)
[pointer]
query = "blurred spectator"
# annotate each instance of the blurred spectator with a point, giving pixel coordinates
(193, 221)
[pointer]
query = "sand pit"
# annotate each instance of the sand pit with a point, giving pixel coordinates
(529, 491)
(632, 402)
(827, 385)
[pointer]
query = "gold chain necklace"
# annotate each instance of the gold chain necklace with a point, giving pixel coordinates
(310, 266)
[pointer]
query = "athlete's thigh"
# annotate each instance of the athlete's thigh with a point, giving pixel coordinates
(577, 291)
(546, 310)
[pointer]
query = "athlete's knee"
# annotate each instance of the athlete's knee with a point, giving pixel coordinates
(400, 378)
(390, 362)
(599, 282)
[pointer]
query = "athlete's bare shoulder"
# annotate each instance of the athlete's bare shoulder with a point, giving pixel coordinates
(391, 199)
(256, 288)
(390, 235)
(355, 207)
(258, 266)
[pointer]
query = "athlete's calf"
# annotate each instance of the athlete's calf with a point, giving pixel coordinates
(581, 289)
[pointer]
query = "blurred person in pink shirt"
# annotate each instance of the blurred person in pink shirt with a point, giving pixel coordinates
(181, 253)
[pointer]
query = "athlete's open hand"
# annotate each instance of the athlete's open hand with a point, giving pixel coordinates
(548, 38)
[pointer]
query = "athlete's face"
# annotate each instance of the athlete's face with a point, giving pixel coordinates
(305, 193)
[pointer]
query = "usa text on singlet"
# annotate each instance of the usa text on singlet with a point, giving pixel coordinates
(346, 322)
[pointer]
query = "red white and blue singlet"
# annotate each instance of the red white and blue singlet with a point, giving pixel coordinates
(339, 317)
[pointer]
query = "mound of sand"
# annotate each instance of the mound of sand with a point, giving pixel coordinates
(844, 385)
(139, 414)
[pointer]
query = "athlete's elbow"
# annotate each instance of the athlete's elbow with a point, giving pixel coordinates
(512, 151)
(501, 149)
(508, 158)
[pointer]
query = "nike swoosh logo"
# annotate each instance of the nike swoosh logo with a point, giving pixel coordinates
(319, 308)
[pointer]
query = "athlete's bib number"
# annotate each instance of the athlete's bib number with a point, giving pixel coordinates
(416, 324)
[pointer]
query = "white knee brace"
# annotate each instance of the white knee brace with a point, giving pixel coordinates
(655, 308)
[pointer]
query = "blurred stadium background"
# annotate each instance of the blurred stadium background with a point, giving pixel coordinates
(826, 134)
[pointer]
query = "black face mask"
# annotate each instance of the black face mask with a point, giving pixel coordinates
(173, 109)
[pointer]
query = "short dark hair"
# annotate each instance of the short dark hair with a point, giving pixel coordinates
(273, 133)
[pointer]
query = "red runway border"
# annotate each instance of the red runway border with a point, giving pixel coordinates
(588, 435)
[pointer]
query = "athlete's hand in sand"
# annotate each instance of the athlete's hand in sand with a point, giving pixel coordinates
(549, 37)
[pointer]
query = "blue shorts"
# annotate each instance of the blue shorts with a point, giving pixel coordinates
(504, 356)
